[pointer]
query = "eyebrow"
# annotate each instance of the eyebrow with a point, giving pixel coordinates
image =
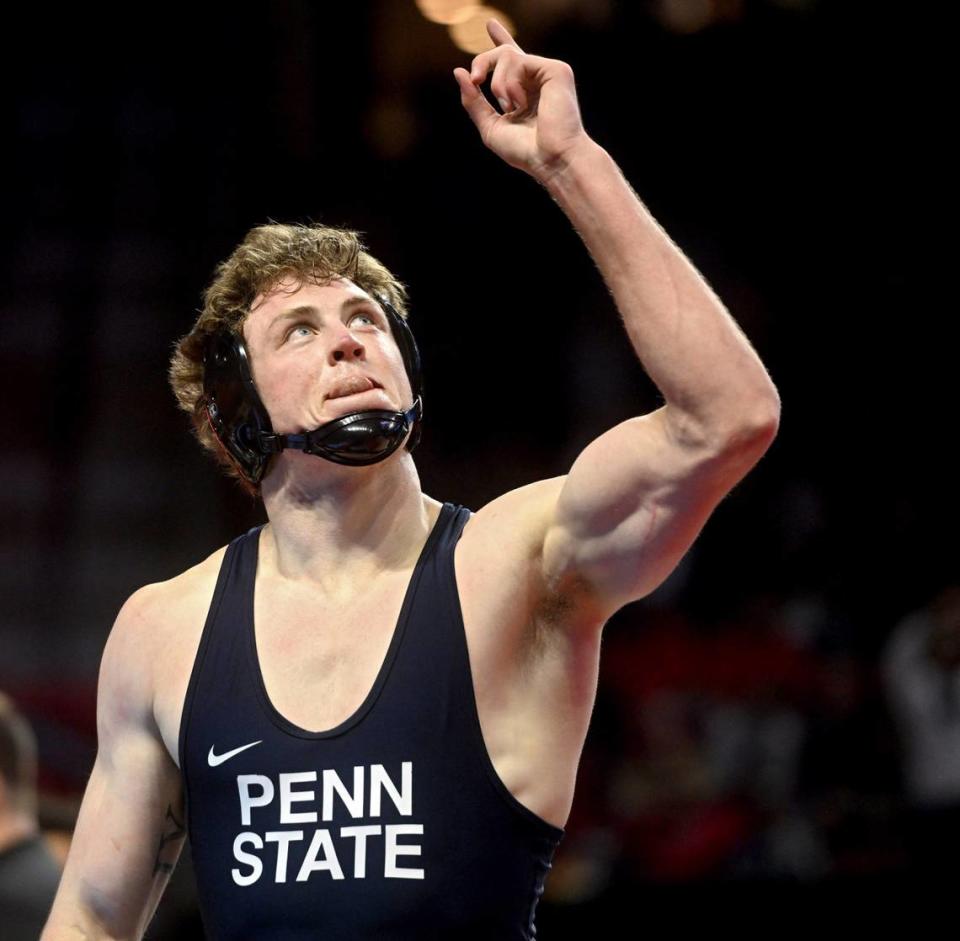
(304, 309)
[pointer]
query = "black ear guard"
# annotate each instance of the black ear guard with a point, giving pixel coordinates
(240, 420)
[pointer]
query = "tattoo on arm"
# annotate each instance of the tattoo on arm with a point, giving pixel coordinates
(173, 832)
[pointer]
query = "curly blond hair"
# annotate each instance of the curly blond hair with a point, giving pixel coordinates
(268, 254)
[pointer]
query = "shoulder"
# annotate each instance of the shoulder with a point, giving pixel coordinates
(155, 609)
(153, 622)
(519, 518)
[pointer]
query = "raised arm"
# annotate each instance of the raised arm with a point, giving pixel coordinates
(130, 829)
(638, 495)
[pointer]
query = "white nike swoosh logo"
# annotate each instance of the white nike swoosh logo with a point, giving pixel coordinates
(214, 760)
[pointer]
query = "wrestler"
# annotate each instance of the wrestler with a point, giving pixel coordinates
(369, 711)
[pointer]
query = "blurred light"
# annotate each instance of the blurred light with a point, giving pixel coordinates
(471, 35)
(542, 14)
(795, 6)
(690, 16)
(728, 9)
(446, 12)
(684, 16)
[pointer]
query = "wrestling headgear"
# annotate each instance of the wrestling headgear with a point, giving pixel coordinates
(241, 423)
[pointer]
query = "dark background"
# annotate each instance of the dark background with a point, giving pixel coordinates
(783, 146)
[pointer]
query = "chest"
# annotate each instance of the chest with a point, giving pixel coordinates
(533, 684)
(306, 642)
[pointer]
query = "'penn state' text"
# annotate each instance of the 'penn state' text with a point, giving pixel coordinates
(266, 805)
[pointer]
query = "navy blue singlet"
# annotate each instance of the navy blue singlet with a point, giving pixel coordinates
(394, 825)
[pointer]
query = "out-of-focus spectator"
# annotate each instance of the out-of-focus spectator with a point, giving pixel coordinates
(713, 725)
(921, 669)
(29, 873)
(848, 775)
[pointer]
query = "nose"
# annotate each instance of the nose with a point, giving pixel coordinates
(345, 346)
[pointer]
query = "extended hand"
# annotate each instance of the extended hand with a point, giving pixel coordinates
(541, 128)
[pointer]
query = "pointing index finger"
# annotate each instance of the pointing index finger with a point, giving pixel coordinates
(500, 34)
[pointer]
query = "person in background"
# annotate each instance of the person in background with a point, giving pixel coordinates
(921, 671)
(29, 873)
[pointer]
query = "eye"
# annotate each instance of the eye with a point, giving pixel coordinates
(369, 317)
(296, 327)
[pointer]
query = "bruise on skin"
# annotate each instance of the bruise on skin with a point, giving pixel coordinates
(173, 832)
(99, 905)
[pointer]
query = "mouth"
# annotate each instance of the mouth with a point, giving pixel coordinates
(354, 395)
(340, 405)
(351, 386)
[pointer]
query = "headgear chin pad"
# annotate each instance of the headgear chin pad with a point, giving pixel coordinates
(241, 423)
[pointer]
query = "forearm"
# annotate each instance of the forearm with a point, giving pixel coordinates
(714, 383)
(124, 847)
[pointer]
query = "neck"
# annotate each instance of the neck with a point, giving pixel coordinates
(336, 525)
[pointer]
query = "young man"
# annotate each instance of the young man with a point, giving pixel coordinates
(369, 712)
